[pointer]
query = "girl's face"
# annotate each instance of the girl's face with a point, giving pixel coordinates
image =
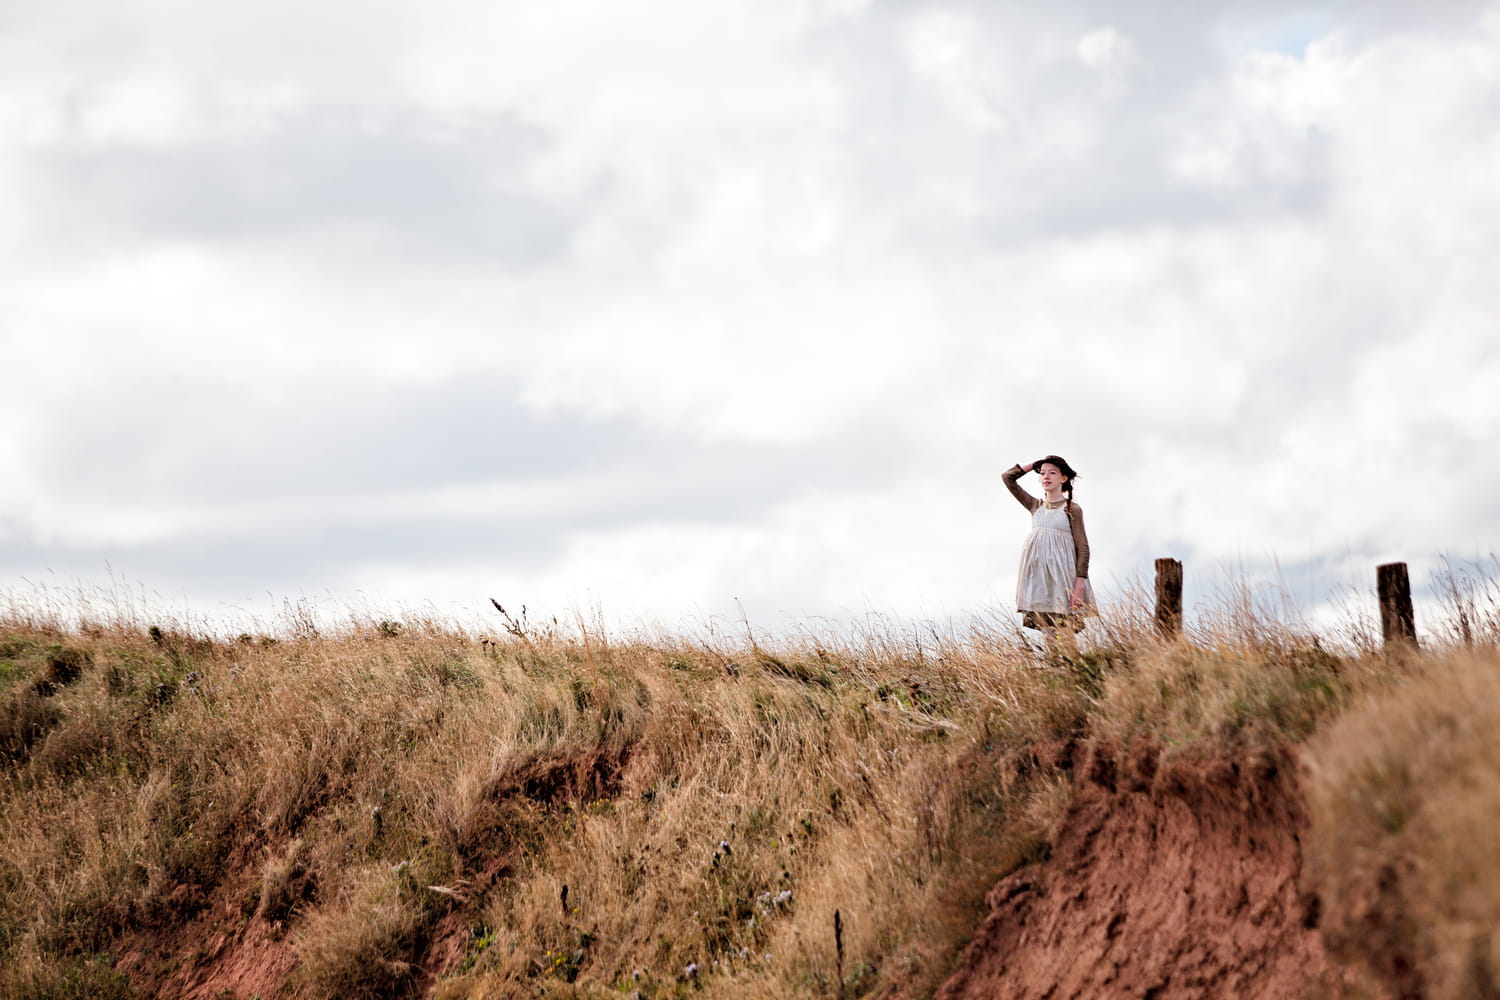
(1052, 476)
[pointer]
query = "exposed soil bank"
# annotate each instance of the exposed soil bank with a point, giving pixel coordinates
(1169, 879)
(1175, 878)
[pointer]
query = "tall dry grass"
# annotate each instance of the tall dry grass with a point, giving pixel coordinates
(550, 812)
(1404, 792)
(706, 808)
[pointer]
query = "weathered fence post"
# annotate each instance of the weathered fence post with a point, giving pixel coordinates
(1168, 597)
(1398, 622)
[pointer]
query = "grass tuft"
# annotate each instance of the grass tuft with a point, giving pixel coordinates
(1404, 794)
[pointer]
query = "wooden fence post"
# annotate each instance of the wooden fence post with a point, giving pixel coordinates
(1168, 597)
(1398, 622)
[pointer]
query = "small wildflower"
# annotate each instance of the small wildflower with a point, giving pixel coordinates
(691, 970)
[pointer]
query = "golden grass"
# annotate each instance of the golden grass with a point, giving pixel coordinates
(1404, 790)
(705, 807)
(590, 817)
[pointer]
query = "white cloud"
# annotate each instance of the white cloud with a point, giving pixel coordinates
(1111, 55)
(138, 111)
(1244, 289)
(910, 551)
(948, 51)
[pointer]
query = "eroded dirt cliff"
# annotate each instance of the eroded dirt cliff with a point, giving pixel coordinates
(1172, 877)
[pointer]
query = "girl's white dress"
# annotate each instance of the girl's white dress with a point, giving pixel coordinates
(1048, 566)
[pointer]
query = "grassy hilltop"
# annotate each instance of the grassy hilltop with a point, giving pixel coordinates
(393, 808)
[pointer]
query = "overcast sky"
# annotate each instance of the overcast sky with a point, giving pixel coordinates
(667, 310)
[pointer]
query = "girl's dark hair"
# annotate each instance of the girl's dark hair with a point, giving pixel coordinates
(1065, 469)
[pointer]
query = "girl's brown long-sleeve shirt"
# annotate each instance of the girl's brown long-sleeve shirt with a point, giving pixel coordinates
(1075, 517)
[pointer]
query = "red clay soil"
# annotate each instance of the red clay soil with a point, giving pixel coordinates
(225, 952)
(220, 951)
(214, 942)
(1169, 879)
(224, 948)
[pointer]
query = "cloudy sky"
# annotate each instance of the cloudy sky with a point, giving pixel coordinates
(672, 310)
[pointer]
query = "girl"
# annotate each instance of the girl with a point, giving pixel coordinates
(1053, 592)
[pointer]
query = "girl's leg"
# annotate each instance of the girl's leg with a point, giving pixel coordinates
(1052, 646)
(1067, 641)
(1060, 643)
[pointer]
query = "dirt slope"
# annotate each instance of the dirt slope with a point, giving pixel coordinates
(1174, 879)
(1177, 878)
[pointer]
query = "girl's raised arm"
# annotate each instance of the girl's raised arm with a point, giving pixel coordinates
(1025, 499)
